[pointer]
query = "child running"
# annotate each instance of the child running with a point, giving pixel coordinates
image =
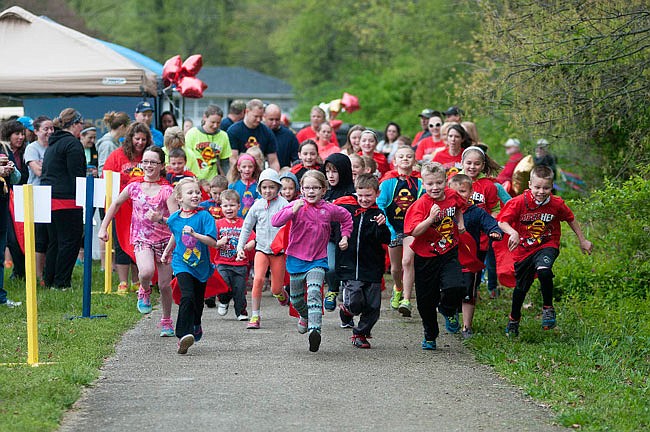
(152, 202)
(309, 160)
(177, 171)
(360, 266)
(477, 222)
(398, 189)
(435, 220)
(258, 218)
(243, 179)
(213, 205)
(193, 231)
(310, 217)
(532, 220)
(232, 270)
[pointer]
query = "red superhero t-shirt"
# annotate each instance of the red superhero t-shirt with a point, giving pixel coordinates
(442, 236)
(538, 225)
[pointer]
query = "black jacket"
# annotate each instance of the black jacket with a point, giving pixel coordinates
(363, 260)
(64, 160)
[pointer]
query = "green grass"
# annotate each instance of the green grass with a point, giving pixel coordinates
(34, 398)
(592, 369)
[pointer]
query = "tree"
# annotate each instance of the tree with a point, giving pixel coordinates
(576, 72)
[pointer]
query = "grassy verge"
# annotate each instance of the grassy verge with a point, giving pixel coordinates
(593, 369)
(34, 398)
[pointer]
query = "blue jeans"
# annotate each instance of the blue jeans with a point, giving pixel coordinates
(4, 217)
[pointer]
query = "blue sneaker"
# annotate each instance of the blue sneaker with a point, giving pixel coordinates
(166, 327)
(198, 333)
(428, 345)
(548, 318)
(512, 329)
(144, 301)
(451, 323)
(330, 301)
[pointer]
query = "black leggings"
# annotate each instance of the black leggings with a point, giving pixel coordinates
(190, 309)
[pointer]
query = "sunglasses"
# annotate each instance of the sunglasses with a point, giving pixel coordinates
(435, 125)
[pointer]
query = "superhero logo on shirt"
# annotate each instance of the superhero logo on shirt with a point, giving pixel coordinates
(192, 255)
(216, 212)
(247, 201)
(446, 230)
(209, 154)
(252, 142)
(403, 200)
(538, 234)
(477, 198)
(135, 171)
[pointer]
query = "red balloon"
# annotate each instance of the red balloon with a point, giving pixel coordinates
(336, 124)
(192, 65)
(350, 102)
(171, 69)
(191, 87)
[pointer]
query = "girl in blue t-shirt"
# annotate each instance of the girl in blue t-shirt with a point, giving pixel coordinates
(243, 179)
(193, 231)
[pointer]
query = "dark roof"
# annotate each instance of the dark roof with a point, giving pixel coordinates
(242, 82)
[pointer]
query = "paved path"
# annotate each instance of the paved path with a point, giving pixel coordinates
(267, 380)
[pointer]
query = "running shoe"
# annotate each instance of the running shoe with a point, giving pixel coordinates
(404, 308)
(330, 300)
(512, 329)
(144, 301)
(302, 325)
(185, 343)
(548, 318)
(222, 309)
(396, 298)
(166, 327)
(283, 297)
(197, 333)
(360, 341)
(428, 345)
(254, 322)
(314, 340)
(123, 288)
(451, 323)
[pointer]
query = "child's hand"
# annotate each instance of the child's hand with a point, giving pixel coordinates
(513, 241)
(222, 242)
(343, 244)
(586, 246)
(297, 205)
(495, 235)
(241, 256)
(380, 219)
(164, 258)
(435, 212)
(188, 230)
(102, 235)
(153, 216)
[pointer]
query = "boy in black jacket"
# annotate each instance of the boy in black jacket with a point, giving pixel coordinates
(360, 267)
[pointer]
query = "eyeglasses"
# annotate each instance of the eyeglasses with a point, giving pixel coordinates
(148, 162)
(435, 125)
(312, 188)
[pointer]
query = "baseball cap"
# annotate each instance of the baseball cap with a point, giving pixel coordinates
(143, 106)
(454, 110)
(27, 122)
(542, 143)
(426, 113)
(512, 142)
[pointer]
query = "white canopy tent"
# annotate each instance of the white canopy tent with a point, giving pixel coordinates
(43, 57)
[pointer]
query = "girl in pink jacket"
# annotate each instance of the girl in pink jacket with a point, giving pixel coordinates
(306, 252)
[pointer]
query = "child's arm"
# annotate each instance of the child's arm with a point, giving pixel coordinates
(514, 239)
(286, 213)
(110, 213)
(460, 221)
(422, 227)
(206, 240)
(168, 250)
(490, 226)
(585, 245)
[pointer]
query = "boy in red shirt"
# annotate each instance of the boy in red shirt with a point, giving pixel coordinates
(436, 220)
(532, 220)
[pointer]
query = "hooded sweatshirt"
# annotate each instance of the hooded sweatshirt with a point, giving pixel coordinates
(63, 162)
(345, 186)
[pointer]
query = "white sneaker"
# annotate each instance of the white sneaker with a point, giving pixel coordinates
(11, 303)
(222, 309)
(242, 317)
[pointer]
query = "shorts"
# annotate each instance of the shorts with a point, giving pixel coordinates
(526, 270)
(398, 241)
(157, 248)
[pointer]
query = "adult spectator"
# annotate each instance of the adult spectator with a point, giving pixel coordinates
(87, 137)
(433, 143)
(251, 132)
(454, 114)
(64, 161)
(451, 156)
(388, 146)
(285, 138)
(126, 161)
(235, 113)
(30, 136)
(316, 117)
(144, 114)
(514, 156)
(189, 124)
(544, 157)
(117, 122)
(207, 147)
(167, 120)
(424, 116)
(9, 174)
(34, 154)
(324, 143)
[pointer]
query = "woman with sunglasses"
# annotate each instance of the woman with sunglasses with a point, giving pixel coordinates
(432, 144)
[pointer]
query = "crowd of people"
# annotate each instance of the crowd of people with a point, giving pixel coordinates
(248, 196)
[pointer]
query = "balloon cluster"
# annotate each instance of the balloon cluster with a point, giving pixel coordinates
(348, 103)
(183, 75)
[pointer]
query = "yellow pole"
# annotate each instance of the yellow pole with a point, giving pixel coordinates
(30, 276)
(108, 247)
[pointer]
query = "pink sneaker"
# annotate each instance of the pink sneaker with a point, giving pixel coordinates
(283, 297)
(166, 327)
(302, 325)
(254, 322)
